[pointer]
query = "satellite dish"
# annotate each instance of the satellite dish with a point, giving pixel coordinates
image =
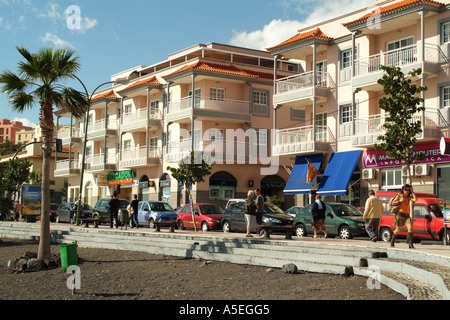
(445, 146)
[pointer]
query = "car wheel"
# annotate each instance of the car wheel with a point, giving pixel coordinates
(386, 234)
(96, 216)
(226, 226)
(445, 240)
(345, 233)
(300, 231)
(205, 226)
(180, 225)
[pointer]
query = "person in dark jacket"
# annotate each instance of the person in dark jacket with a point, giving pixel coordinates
(113, 211)
(318, 216)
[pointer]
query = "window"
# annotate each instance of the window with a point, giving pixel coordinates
(127, 145)
(391, 178)
(445, 33)
(346, 59)
(217, 94)
(154, 107)
(346, 113)
(445, 97)
(260, 97)
(128, 108)
(198, 97)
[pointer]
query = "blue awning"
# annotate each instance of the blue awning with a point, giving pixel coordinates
(297, 180)
(338, 173)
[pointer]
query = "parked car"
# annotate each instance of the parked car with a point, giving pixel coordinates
(292, 211)
(101, 209)
(53, 209)
(341, 220)
(66, 212)
(233, 218)
(150, 211)
(207, 217)
(428, 218)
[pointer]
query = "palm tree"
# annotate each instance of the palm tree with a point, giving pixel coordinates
(39, 81)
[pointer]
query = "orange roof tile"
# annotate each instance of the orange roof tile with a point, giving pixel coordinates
(105, 95)
(153, 81)
(313, 34)
(394, 7)
(228, 69)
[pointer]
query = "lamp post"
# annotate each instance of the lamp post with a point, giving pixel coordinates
(86, 122)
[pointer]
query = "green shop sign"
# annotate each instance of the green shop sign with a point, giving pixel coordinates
(120, 175)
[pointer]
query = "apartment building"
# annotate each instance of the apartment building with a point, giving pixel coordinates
(335, 98)
(8, 130)
(214, 98)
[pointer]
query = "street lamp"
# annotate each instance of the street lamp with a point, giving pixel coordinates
(86, 122)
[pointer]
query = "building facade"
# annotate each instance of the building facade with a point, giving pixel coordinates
(8, 130)
(336, 94)
(214, 98)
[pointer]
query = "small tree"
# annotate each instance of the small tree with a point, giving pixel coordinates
(12, 175)
(192, 170)
(401, 104)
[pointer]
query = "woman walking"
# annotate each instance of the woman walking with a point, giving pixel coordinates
(405, 215)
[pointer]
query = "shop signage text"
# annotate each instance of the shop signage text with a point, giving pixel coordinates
(120, 177)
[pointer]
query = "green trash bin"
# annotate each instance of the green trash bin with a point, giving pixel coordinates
(69, 255)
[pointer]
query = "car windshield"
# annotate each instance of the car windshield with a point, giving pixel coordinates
(271, 208)
(210, 209)
(437, 210)
(87, 207)
(123, 204)
(345, 210)
(160, 207)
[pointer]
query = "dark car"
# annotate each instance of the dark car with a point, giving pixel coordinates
(66, 212)
(207, 216)
(101, 209)
(233, 218)
(341, 219)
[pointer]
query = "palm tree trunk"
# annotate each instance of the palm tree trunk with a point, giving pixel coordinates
(44, 251)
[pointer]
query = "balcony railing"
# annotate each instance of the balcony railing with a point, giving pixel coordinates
(100, 125)
(398, 58)
(66, 165)
(65, 134)
(302, 81)
(99, 160)
(138, 156)
(227, 105)
(140, 115)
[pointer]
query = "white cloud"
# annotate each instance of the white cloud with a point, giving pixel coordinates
(25, 122)
(57, 42)
(87, 24)
(309, 11)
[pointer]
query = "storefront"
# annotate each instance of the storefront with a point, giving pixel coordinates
(122, 183)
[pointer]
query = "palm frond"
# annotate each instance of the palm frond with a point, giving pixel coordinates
(75, 101)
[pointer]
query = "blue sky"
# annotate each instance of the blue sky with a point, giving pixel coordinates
(113, 36)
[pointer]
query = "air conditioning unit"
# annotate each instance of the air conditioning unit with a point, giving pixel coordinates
(421, 170)
(405, 170)
(368, 174)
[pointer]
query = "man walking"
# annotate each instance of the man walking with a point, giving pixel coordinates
(259, 209)
(372, 215)
(113, 211)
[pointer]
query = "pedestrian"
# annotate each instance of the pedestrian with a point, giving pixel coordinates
(113, 211)
(259, 210)
(134, 212)
(373, 211)
(17, 211)
(250, 211)
(405, 215)
(318, 216)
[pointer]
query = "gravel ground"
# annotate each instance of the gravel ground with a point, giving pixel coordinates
(125, 275)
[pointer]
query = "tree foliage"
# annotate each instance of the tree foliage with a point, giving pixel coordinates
(12, 175)
(403, 105)
(193, 169)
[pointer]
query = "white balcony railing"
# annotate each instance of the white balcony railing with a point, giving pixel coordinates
(302, 81)
(66, 165)
(398, 58)
(100, 159)
(227, 105)
(65, 134)
(140, 115)
(140, 153)
(100, 125)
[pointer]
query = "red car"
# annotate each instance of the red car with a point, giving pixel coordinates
(207, 217)
(428, 218)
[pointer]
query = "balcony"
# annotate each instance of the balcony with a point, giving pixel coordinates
(67, 168)
(137, 157)
(223, 151)
(298, 90)
(69, 137)
(207, 109)
(140, 119)
(368, 69)
(101, 163)
(367, 129)
(101, 128)
(296, 141)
